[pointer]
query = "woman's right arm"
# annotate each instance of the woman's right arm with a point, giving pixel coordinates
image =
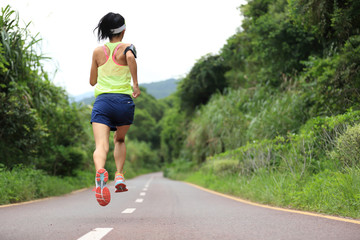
(94, 69)
(131, 61)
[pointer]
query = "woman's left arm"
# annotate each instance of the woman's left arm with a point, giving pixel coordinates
(93, 70)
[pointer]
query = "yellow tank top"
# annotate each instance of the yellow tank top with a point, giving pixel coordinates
(112, 77)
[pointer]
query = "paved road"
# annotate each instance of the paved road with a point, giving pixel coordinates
(158, 208)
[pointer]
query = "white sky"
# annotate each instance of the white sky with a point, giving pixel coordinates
(169, 35)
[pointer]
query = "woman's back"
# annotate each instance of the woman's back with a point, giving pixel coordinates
(113, 72)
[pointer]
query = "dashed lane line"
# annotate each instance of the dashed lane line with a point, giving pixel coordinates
(129, 210)
(96, 234)
(148, 182)
(139, 200)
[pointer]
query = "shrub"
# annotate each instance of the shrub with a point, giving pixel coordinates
(325, 130)
(348, 147)
(222, 167)
(332, 84)
(217, 126)
(278, 114)
(204, 79)
(141, 155)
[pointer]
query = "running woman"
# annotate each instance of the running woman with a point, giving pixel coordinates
(113, 66)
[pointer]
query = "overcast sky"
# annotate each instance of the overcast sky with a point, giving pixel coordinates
(169, 35)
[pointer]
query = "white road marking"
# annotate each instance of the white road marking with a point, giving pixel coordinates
(129, 210)
(142, 194)
(144, 189)
(148, 182)
(96, 234)
(139, 200)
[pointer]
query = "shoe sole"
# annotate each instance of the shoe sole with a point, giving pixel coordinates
(121, 187)
(102, 193)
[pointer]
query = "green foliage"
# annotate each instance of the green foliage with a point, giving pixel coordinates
(333, 22)
(179, 169)
(39, 126)
(270, 48)
(324, 131)
(217, 126)
(348, 147)
(229, 121)
(328, 192)
(173, 126)
(332, 83)
(303, 170)
(148, 112)
(24, 184)
(141, 155)
(222, 168)
(161, 89)
(65, 160)
(205, 78)
(144, 127)
(281, 131)
(278, 114)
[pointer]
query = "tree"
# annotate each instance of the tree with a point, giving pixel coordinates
(333, 22)
(205, 78)
(38, 125)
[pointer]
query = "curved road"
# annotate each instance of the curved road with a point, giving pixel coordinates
(159, 208)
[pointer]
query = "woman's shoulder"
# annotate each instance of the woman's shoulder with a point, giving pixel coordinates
(98, 50)
(127, 44)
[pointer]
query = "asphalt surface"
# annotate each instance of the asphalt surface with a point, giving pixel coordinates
(159, 208)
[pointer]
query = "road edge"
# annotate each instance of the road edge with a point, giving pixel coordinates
(43, 199)
(276, 208)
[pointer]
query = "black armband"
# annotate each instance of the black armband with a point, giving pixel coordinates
(132, 49)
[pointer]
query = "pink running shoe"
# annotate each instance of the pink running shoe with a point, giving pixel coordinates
(102, 193)
(120, 185)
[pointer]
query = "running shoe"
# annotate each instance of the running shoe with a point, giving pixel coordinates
(102, 193)
(120, 185)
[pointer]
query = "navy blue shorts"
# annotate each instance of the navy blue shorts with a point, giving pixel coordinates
(113, 109)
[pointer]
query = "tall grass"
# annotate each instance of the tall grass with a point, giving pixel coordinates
(24, 184)
(230, 121)
(316, 169)
(335, 193)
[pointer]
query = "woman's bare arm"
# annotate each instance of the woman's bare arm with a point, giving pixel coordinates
(131, 61)
(94, 69)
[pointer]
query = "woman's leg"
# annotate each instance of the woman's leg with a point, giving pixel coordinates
(119, 147)
(101, 135)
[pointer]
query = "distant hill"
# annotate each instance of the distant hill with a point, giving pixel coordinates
(161, 89)
(157, 89)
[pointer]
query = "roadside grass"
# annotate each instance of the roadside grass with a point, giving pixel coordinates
(334, 193)
(22, 183)
(316, 169)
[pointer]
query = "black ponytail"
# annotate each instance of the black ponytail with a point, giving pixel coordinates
(108, 22)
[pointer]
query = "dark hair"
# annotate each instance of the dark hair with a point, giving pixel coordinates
(108, 22)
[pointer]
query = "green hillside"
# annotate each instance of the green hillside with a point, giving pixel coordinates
(274, 116)
(161, 89)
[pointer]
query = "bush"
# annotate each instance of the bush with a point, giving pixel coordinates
(205, 78)
(221, 167)
(217, 126)
(348, 147)
(179, 169)
(24, 183)
(141, 155)
(277, 114)
(324, 131)
(331, 84)
(38, 125)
